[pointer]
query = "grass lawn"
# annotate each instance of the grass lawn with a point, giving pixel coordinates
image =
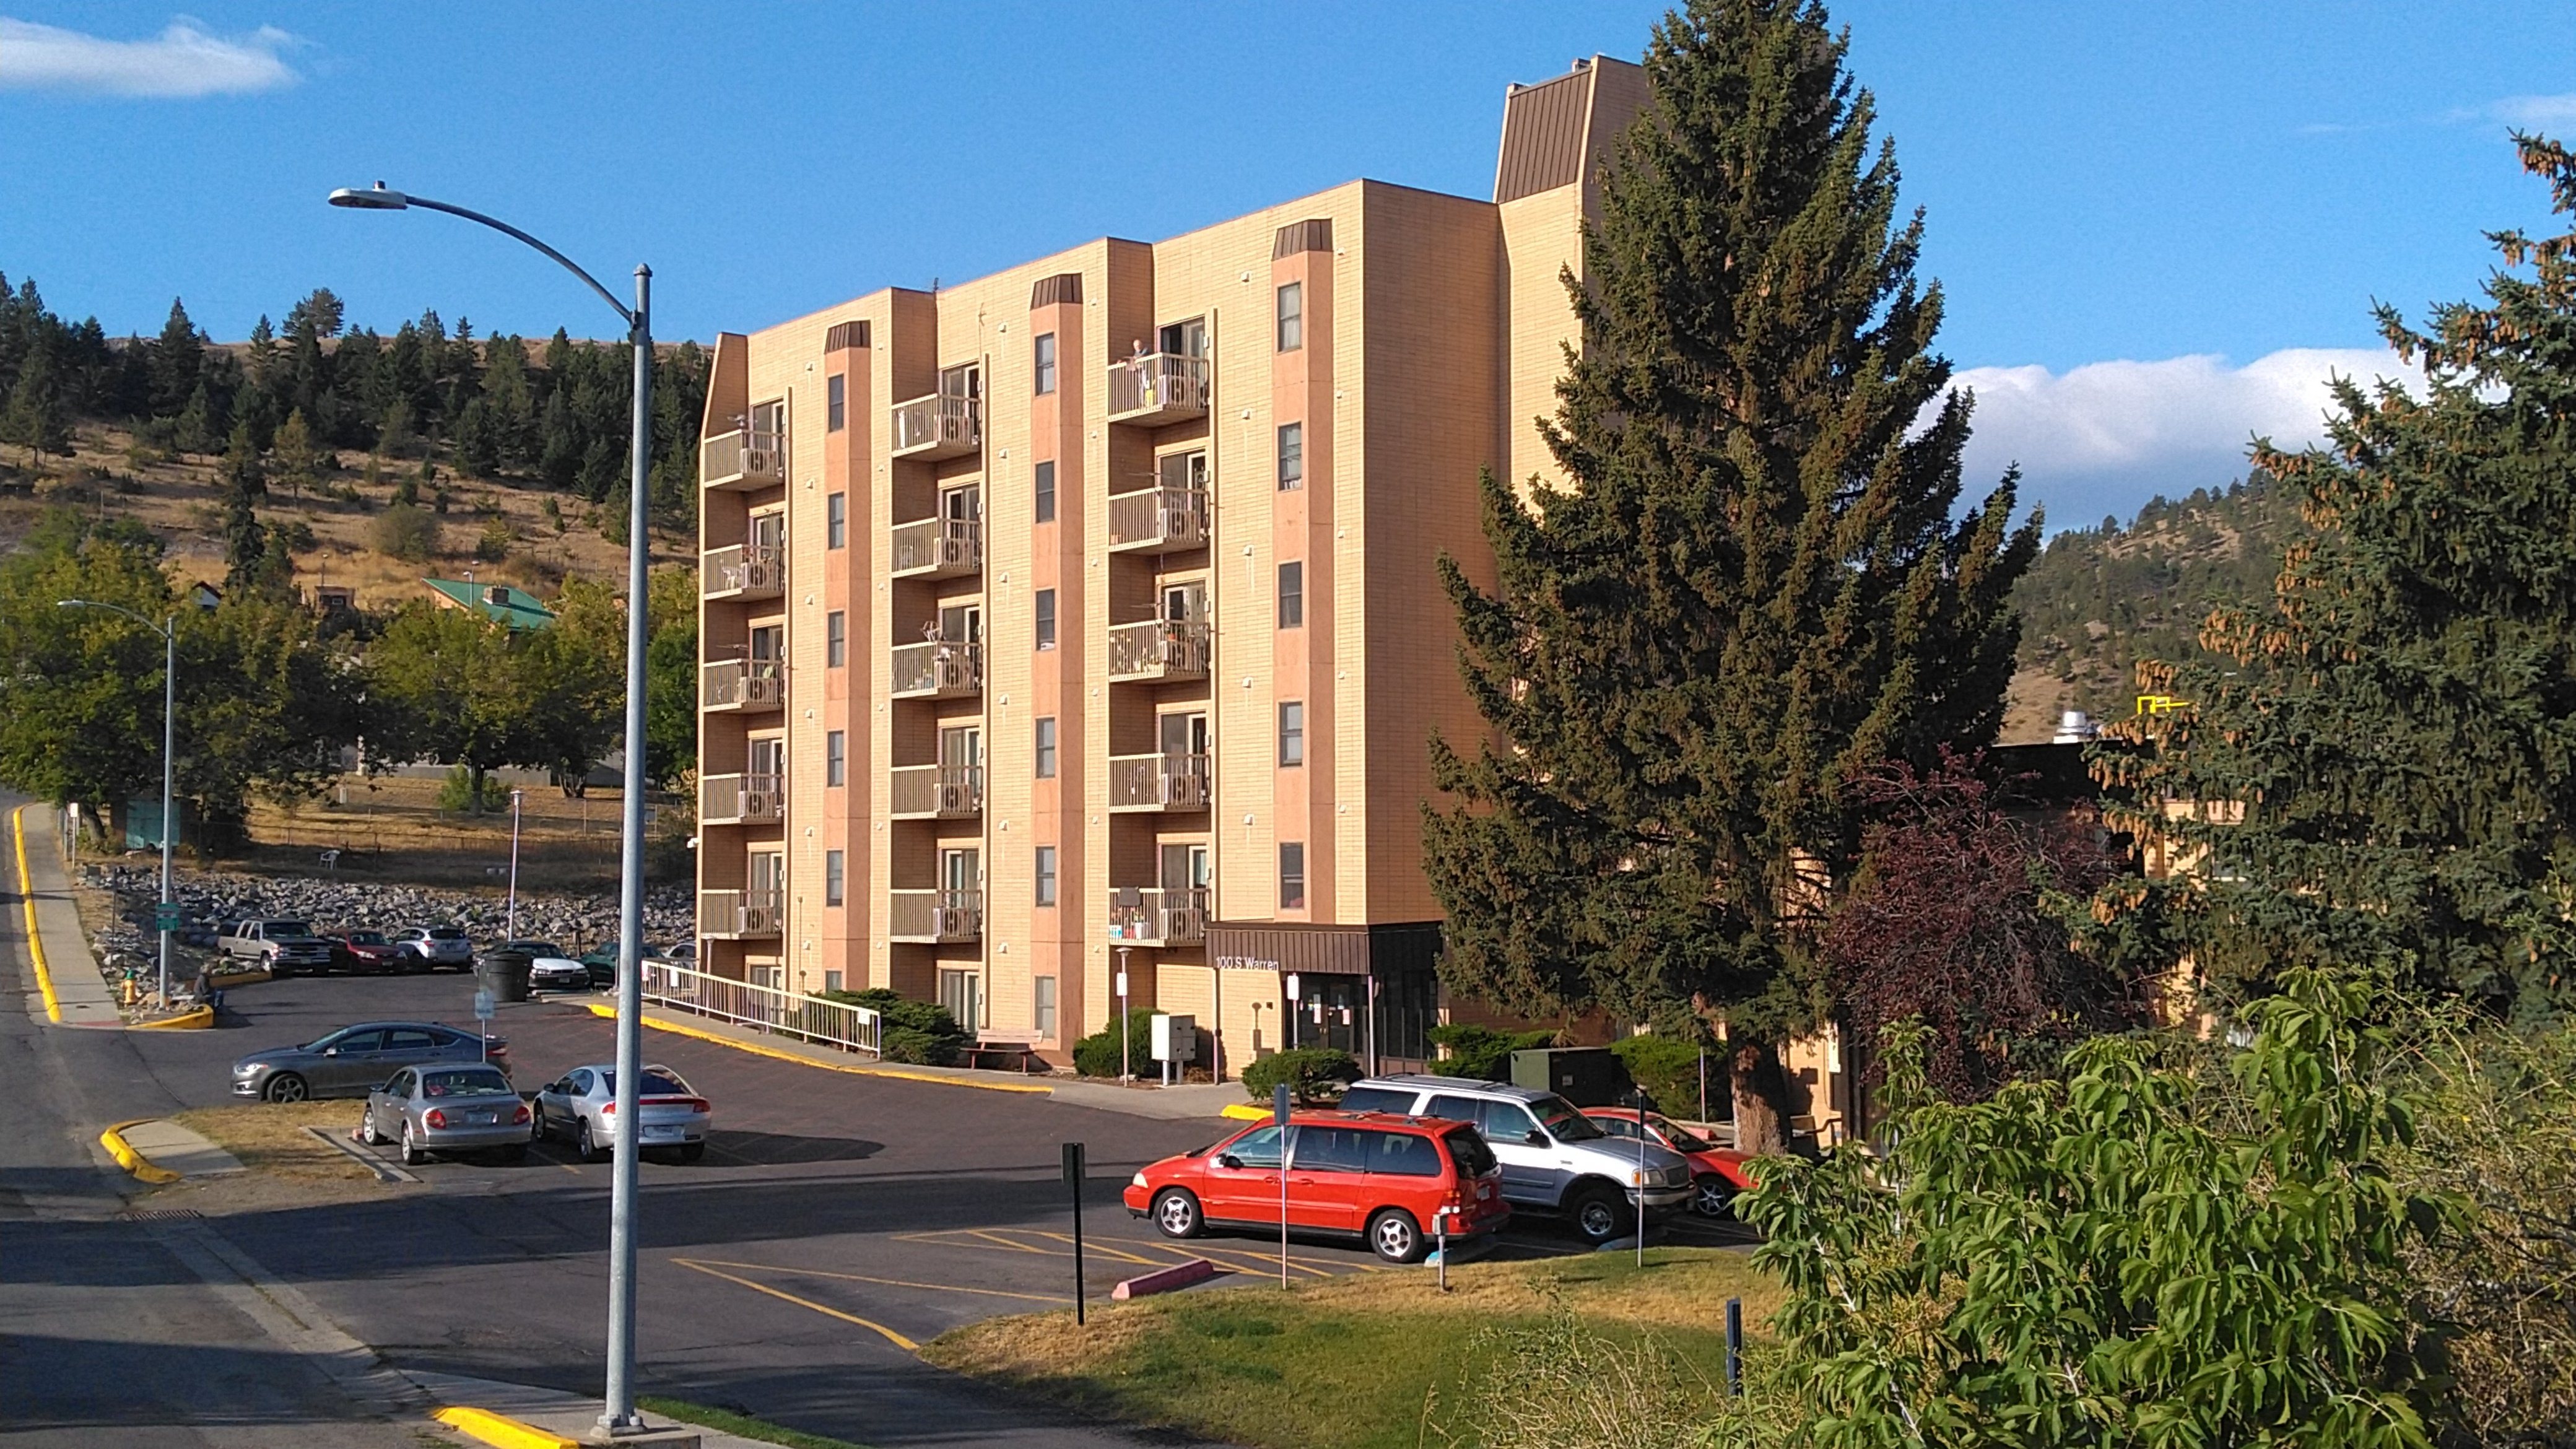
(269, 1138)
(726, 1421)
(1355, 1362)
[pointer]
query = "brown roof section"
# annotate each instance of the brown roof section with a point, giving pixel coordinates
(1554, 130)
(846, 335)
(1312, 235)
(1063, 287)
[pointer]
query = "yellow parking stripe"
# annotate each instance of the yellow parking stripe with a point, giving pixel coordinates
(887, 1282)
(888, 1334)
(1093, 1246)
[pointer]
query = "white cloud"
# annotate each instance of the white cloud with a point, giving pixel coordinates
(183, 62)
(2530, 113)
(2105, 437)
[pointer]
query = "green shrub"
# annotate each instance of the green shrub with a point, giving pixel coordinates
(404, 532)
(456, 792)
(494, 545)
(1668, 1068)
(1097, 1054)
(1314, 1075)
(917, 1032)
(1468, 1050)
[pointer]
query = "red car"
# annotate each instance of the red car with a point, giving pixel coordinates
(1376, 1176)
(1717, 1173)
(367, 951)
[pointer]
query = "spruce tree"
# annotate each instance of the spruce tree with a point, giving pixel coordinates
(1752, 587)
(35, 416)
(2380, 761)
(178, 358)
(245, 480)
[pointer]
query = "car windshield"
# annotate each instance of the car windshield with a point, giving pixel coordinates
(446, 933)
(471, 1083)
(656, 1084)
(1563, 1122)
(1681, 1140)
(366, 938)
(289, 928)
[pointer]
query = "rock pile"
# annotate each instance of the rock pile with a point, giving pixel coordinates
(209, 897)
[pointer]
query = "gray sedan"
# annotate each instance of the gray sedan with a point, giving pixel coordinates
(582, 1105)
(357, 1059)
(447, 1109)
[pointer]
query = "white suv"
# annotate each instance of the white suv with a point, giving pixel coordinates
(1554, 1158)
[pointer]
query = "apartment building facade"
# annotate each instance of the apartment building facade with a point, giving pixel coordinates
(1081, 622)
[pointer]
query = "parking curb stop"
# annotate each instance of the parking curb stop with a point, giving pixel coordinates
(1244, 1112)
(113, 1139)
(500, 1430)
(1164, 1280)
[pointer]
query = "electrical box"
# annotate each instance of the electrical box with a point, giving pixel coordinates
(1176, 1038)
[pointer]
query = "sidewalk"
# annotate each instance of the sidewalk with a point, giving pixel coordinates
(567, 1416)
(72, 993)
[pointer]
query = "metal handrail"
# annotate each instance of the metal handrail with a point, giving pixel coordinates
(743, 453)
(1154, 914)
(938, 543)
(1163, 781)
(935, 789)
(742, 681)
(1158, 515)
(741, 797)
(1159, 382)
(744, 568)
(788, 1013)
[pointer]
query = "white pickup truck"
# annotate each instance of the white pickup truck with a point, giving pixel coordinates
(286, 947)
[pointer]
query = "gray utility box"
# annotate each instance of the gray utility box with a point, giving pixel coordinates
(1585, 1076)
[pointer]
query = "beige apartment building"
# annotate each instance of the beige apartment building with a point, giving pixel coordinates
(1086, 614)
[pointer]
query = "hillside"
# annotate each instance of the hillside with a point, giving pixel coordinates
(2099, 599)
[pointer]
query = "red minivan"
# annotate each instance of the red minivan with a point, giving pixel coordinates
(1376, 1176)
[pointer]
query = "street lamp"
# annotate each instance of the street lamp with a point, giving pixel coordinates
(169, 632)
(512, 929)
(618, 1414)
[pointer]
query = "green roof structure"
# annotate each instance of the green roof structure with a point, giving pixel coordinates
(502, 604)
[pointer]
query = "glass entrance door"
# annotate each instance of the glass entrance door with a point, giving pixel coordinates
(962, 993)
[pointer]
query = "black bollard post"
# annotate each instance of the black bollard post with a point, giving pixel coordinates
(1735, 1347)
(1073, 1175)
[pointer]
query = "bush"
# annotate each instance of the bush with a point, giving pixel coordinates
(494, 545)
(1668, 1068)
(918, 1032)
(1315, 1075)
(1469, 1050)
(456, 792)
(1097, 1054)
(404, 532)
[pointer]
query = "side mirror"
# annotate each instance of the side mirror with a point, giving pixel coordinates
(330, 1051)
(1536, 1138)
(1229, 1162)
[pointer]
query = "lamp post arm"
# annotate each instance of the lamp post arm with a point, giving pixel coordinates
(561, 260)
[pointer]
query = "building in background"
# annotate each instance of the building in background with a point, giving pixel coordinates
(1087, 612)
(512, 608)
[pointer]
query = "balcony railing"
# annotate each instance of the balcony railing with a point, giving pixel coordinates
(1158, 782)
(741, 800)
(734, 915)
(937, 792)
(1158, 520)
(1158, 388)
(1158, 649)
(743, 459)
(769, 1008)
(1151, 917)
(934, 916)
(744, 684)
(938, 426)
(937, 670)
(744, 571)
(938, 548)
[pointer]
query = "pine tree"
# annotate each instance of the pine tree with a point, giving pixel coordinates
(2385, 752)
(245, 481)
(178, 360)
(299, 463)
(1751, 588)
(36, 417)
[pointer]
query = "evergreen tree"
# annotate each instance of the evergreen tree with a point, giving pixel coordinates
(178, 362)
(299, 463)
(245, 481)
(35, 417)
(1752, 587)
(2384, 753)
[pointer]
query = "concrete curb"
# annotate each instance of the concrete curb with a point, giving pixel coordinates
(1164, 1280)
(27, 900)
(384, 1171)
(677, 1029)
(129, 1159)
(227, 980)
(1244, 1112)
(199, 1019)
(501, 1430)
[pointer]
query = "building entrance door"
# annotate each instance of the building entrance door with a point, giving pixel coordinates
(961, 992)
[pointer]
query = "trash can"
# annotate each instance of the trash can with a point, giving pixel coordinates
(504, 974)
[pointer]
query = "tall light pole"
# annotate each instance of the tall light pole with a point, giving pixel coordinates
(618, 1414)
(169, 631)
(512, 929)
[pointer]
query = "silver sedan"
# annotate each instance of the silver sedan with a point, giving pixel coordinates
(447, 1109)
(581, 1105)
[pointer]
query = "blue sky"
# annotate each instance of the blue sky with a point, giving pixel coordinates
(2158, 226)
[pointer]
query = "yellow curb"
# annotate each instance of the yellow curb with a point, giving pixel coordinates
(131, 1160)
(501, 1430)
(196, 1020)
(1245, 1112)
(223, 980)
(610, 1012)
(35, 943)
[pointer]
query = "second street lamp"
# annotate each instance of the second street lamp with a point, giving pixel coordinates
(617, 1414)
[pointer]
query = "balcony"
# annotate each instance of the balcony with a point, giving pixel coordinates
(743, 459)
(937, 792)
(1150, 917)
(738, 915)
(1158, 649)
(938, 426)
(741, 800)
(938, 548)
(1158, 388)
(1158, 520)
(1158, 782)
(937, 670)
(744, 684)
(934, 917)
(743, 573)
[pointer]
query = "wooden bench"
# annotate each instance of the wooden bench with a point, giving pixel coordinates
(1007, 1051)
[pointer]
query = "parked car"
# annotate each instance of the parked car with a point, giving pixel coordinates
(286, 947)
(366, 951)
(1554, 1158)
(581, 1106)
(1384, 1179)
(1717, 1173)
(602, 966)
(447, 1109)
(354, 1060)
(438, 946)
(558, 972)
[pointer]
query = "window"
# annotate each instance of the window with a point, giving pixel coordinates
(1046, 875)
(836, 754)
(836, 638)
(836, 403)
(1331, 1149)
(1292, 316)
(1046, 492)
(1046, 618)
(1292, 456)
(1292, 733)
(1256, 1148)
(836, 520)
(1401, 1154)
(1046, 747)
(832, 874)
(1292, 875)
(832, 980)
(1046, 363)
(1045, 1006)
(1292, 596)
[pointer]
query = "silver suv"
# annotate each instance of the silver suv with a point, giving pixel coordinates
(1554, 1158)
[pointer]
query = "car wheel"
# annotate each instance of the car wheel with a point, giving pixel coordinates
(1176, 1214)
(286, 1087)
(1712, 1196)
(412, 1156)
(367, 1132)
(1395, 1236)
(584, 1147)
(1599, 1214)
(693, 1152)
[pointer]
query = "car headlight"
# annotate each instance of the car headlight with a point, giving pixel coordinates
(1137, 1181)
